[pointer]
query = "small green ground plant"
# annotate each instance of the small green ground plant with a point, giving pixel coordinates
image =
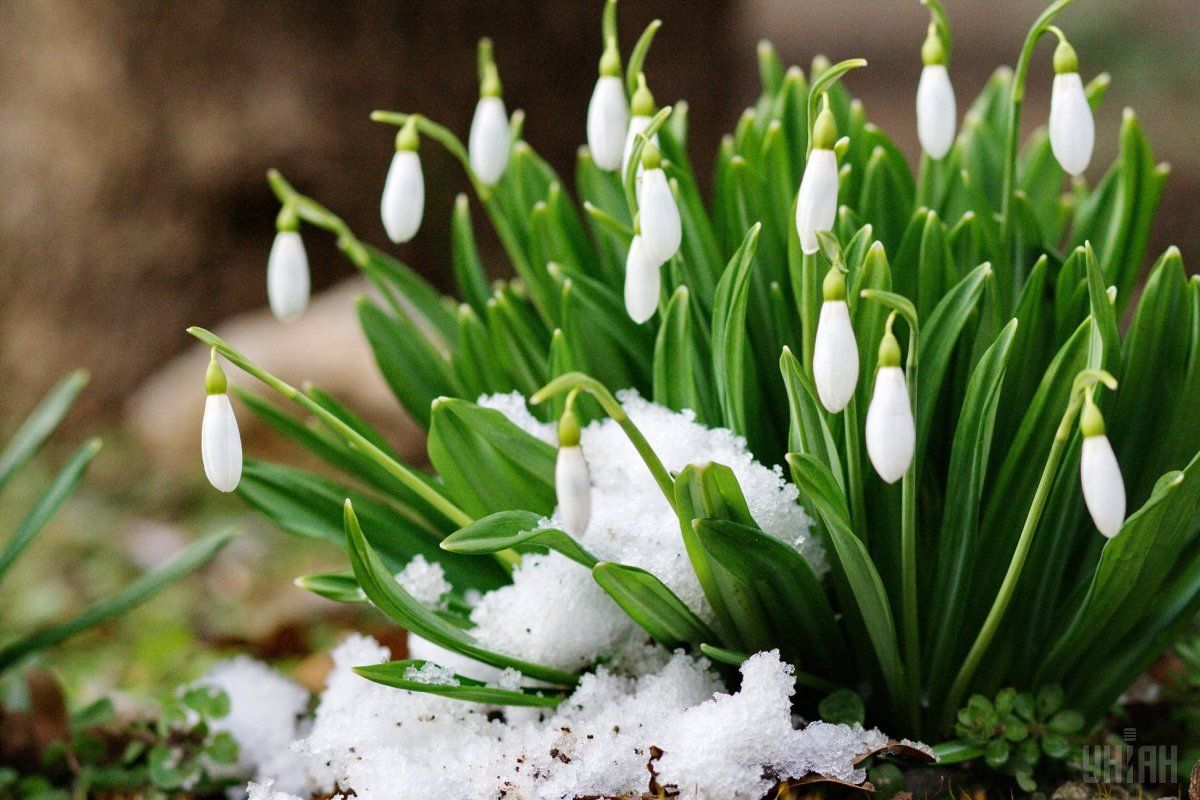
(990, 287)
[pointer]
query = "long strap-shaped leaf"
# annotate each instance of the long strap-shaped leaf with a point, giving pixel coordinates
(38, 426)
(729, 335)
(386, 594)
(515, 530)
(134, 594)
(652, 605)
(400, 675)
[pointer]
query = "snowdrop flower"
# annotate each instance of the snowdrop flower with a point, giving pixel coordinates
(220, 442)
(937, 112)
(1072, 128)
(835, 351)
(657, 213)
(1103, 489)
(890, 432)
(608, 113)
(489, 141)
(816, 205)
(572, 485)
(642, 282)
(643, 109)
(403, 203)
(288, 283)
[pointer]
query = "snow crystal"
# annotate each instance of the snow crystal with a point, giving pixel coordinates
(265, 709)
(603, 740)
(425, 581)
(431, 674)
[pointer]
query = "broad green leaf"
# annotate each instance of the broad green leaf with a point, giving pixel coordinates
(487, 463)
(413, 368)
(652, 605)
(516, 530)
(40, 423)
(406, 675)
(386, 594)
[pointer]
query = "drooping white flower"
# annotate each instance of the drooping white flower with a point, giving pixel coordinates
(835, 356)
(574, 489)
(1072, 128)
(816, 205)
(1100, 475)
(220, 442)
(637, 124)
(288, 282)
(608, 122)
(937, 111)
(642, 282)
(488, 143)
(890, 432)
(658, 215)
(403, 203)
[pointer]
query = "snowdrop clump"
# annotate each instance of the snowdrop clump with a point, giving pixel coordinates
(668, 721)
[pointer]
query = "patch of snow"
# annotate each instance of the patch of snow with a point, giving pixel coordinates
(432, 674)
(425, 581)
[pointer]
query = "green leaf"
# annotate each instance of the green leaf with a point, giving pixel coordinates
(386, 594)
(996, 753)
(674, 373)
(433, 311)
(722, 655)
(843, 707)
(141, 589)
(516, 530)
(224, 749)
(413, 368)
(40, 423)
(729, 337)
(955, 752)
(487, 463)
(809, 431)
(341, 587)
(469, 272)
(48, 503)
(1055, 745)
(652, 605)
(400, 675)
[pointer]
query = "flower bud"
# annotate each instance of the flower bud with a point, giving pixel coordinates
(643, 283)
(835, 350)
(288, 283)
(1072, 128)
(403, 203)
(816, 205)
(608, 122)
(572, 484)
(937, 111)
(658, 215)
(488, 143)
(1100, 474)
(220, 442)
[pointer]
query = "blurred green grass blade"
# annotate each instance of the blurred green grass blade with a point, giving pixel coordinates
(397, 675)
(803, 621)
(386, 594)
(652, 605)
(40, 423)
(487, 463)
(469, 272)
(137, 592)
(48, 504)
(413, 368)
(341, 587)
(419, 295)
(959, 544)
(517, 530)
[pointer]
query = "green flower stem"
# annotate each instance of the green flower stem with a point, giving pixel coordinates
(579, 381)
(938, 13)
(361, 443)
(858, 510)
(1062, 437)
(821, 85)
(1017, 98)
(629, 179)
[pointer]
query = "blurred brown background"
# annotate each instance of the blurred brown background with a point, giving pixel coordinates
(134, 135)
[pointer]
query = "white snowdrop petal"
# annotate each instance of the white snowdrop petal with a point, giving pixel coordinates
(636, 126)
(607, 122)
(937, 112)
(574, 490)
(642, 283)
(890, 433)
(1072, 128)
(403, 203)
(221, 444)
(662, 231)
(288, 284)
(835, 356)
(488, 143)
(1103, 488)
(816, 206)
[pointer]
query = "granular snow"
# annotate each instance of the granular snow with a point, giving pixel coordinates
(426, 582)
